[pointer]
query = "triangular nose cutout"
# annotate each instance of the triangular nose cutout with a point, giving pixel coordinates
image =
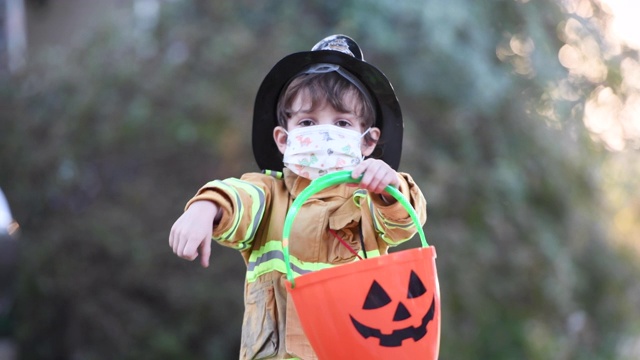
(401, 313)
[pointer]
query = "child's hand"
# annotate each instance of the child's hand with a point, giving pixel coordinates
(376, 175)
(191, 233)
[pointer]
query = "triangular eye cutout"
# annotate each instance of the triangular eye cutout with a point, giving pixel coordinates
(376, 298)
(416, 287)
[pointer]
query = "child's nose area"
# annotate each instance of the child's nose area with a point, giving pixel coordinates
(325, 120)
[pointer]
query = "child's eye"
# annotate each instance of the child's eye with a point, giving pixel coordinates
(306, 122)
(343, 123)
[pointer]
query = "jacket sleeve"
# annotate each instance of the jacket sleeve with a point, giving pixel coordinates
(392, 222)
(242, 202)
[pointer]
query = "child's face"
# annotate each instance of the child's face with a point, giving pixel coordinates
(304, 114)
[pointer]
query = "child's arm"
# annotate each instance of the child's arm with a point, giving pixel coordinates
(392, 225)
(191, 233)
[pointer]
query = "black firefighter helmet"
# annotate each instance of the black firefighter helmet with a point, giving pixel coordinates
(333, 50)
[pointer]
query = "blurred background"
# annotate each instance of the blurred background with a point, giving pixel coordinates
(522, 127)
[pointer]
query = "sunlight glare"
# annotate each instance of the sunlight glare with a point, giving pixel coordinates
(581, 54)
(602, 112)
(610, 113)
(625, 24)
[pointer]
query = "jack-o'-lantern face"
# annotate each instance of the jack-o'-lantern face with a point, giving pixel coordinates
(407, 318)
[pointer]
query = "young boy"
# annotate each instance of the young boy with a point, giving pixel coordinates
(316, 112)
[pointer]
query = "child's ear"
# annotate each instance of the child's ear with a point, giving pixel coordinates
(280, 137)
(368, 145)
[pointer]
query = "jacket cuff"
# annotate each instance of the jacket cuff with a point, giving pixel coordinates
(225, 207)
(394, 210)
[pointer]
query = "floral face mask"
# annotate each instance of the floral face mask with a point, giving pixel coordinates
(313, 151)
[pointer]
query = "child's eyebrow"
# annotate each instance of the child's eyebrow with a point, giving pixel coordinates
(300, 111)
(309, 111)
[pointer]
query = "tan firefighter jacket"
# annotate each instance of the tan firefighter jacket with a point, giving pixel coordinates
(254, 209)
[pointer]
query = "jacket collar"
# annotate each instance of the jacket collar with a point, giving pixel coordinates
(295, 184)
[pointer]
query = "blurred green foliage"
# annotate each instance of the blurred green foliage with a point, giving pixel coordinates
(101, 147)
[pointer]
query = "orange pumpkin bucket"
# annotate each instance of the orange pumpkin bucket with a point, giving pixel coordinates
(385, 307)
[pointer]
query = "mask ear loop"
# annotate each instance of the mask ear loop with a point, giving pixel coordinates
(287, 139)
(361, 136)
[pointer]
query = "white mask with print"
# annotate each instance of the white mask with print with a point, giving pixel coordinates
(313, 151)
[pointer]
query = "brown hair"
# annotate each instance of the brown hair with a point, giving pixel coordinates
(326, 88)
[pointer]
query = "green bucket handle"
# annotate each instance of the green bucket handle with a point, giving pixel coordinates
(322, 183)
